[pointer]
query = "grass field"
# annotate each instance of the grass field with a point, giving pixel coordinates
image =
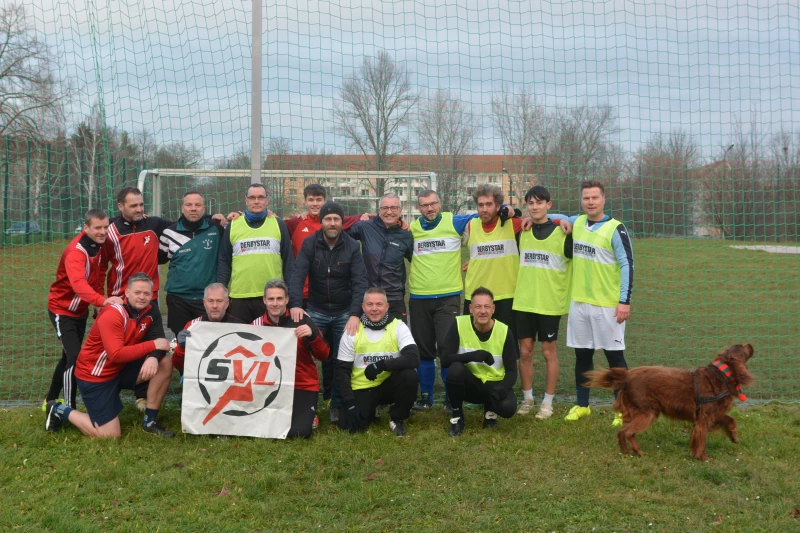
(691, 298)
(525, 475)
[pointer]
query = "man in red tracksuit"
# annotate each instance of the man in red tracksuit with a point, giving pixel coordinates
(310, 342)
(308, 223)
(79, 284)
(126, 346)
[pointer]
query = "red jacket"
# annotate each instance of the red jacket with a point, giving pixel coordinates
(119, 336)
(131, 248)
(179, 354)
(79, 278)
(305, 374)
(299, 229)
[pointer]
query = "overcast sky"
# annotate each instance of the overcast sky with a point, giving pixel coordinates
(181, 69)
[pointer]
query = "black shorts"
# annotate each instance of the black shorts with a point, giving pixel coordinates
(102, 399)
(528, 324)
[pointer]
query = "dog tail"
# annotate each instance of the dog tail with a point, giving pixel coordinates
(613, 378)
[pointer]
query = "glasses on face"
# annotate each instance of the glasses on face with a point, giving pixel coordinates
(390, 208)
(254, 198)
(430, 204)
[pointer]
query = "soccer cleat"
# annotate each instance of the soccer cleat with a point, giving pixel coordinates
(141, 404)
(456, 426)
(526, 407)
(489, 419)
(617, 420)
(398, 428)
(577, 412)
(424, 403)
(156, 429)
(315, 423)
(545, 411)
(44, 404)
(334, 415)
(448, 409)
(53, 422)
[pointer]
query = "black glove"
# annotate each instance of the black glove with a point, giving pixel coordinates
(503, 213)
(352, 417)
(372, 371)
(182, 337)
(482, 356)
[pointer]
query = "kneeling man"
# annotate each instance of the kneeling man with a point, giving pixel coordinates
(377, 366)
(126, 346)
(310, 342)
(481, 357)
(215, 302)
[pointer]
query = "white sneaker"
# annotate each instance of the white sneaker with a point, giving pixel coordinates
(545, 411)
(526, 407)
(141, 404)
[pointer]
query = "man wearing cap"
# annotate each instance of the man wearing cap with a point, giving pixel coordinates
(337, 280)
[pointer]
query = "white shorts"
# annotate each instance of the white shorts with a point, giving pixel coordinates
(592, 326)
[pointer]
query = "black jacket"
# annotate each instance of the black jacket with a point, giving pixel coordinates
(384, 252)
(337, 279)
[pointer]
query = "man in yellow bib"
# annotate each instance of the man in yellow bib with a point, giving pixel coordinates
(542, 296)
(481, 355)
(493, 253)
(377, 366)
(602, 281)
(254, 249)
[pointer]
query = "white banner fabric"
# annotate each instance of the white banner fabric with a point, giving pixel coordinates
(239, 380)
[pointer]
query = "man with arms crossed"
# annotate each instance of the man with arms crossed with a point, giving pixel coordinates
(377, 366)
(481, 356)
(541, 297)
(79, 284)
(126, 346)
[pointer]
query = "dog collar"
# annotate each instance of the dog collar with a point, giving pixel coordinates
(727, 372)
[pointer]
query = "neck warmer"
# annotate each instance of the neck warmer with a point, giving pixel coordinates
(253, 218)
(380, 324)
(191, 226)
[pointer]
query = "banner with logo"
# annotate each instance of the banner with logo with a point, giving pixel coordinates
(239, 380)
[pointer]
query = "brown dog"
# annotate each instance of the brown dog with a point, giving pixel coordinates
(704, 396)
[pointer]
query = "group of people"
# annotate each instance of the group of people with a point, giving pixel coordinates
(340, 283)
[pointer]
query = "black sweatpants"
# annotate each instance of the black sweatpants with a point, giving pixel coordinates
(247, 309)
(398, 391)
(70, 331)
(140, 389)
(503, 311)
(430, 320)
(303, 412)
(180, 311)
(462, 385)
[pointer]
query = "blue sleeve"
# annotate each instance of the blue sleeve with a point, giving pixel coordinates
(460, 222)
(621, 244)
(555, 217)
(355, 230)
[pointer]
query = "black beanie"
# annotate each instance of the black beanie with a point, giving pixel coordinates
(331, 208)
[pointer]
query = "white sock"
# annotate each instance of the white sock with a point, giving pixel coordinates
(548, 399)
(527, 394)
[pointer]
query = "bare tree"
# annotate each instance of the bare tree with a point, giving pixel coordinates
(521, 123)
(447, 131)
(661, 190)
(375, 107)
(28, 87)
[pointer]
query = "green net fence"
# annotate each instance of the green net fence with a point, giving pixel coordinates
(689, 114)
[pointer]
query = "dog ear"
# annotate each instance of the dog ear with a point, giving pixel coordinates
(736, 358)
